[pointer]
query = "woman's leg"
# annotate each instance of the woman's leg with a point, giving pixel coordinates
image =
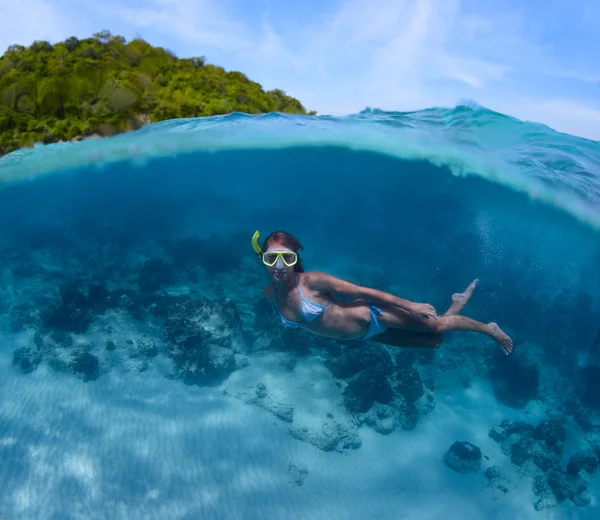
(447, 323)
(459, 300)
(401, 319)
(418, 339)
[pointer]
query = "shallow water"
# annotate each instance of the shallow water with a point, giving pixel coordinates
(418, 204)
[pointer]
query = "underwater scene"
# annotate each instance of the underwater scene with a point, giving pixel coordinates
(150, 367)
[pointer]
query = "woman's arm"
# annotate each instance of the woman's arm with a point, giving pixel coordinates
(326, 283)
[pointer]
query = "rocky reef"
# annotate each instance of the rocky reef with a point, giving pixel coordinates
(540, 449)
(180, 306)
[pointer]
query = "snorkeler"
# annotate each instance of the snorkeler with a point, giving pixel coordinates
(305, 299)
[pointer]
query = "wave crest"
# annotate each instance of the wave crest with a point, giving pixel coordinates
(549, 166)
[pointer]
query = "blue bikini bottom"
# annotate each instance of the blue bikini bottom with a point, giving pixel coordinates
(374, 326)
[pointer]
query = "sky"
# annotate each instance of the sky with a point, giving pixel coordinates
(536, 60)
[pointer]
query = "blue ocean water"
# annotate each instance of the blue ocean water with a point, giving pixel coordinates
(115, 252)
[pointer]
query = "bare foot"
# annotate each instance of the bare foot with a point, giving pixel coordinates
(459, 300)
(501, 338)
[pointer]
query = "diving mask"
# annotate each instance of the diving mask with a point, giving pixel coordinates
(289, 258)
(270, 256)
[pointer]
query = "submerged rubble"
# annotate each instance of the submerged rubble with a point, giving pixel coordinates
(463, 457)
(542, 446)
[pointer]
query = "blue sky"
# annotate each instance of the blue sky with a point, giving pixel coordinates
(538, 60)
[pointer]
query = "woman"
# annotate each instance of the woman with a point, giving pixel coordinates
(305, 300)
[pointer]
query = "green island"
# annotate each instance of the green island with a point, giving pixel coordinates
(103, 85)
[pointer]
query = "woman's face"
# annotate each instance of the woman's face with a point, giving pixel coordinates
(279, 262)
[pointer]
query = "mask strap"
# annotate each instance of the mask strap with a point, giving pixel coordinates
(279, 249)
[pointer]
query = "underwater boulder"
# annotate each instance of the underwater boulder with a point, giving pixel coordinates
(207, 367)
(26, 359)
(523, 442)
(408, 416)
(202, 337)
(586, 460)
(408, 389)
(366, 388)
(297, 474)
(565, 485)
(507, 428)
(330, 435)
(552, 432)
(354, 360)
(86, 365)
(381, 418)
(271, 403)
(520, 452)
(463, 457)
(527, 448)
(514, 382)
(583, 497)
(409, 384)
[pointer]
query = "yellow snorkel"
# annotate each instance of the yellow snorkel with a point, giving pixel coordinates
(255, 245)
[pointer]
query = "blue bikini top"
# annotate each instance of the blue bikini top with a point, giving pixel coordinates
(310, 311)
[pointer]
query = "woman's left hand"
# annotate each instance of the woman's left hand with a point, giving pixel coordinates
(425, 310)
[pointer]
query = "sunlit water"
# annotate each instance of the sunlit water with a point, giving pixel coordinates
(418, 204)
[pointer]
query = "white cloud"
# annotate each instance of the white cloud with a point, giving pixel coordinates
(365, 55)
(199, 22)
(23, 21)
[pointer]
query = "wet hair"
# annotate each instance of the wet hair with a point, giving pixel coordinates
(287, 240)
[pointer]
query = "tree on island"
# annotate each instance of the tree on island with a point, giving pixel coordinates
(105, 85)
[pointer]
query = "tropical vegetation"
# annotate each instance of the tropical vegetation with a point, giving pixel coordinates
(104, 85)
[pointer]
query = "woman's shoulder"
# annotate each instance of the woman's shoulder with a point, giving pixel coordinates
(311, 278)
(308, 276)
